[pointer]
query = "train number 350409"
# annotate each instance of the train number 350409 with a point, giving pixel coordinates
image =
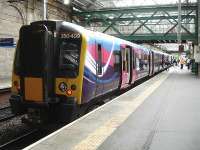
(70, 35)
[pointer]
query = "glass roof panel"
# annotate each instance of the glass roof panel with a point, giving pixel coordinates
(103, 4)
(130, 3)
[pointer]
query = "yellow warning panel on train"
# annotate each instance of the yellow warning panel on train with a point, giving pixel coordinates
(33, 89)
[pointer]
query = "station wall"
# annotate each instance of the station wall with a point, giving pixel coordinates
(14, 15)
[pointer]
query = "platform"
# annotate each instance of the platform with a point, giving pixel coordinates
(161, 114)
(5, 83)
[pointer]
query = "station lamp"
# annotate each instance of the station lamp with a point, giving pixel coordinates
(67, 2)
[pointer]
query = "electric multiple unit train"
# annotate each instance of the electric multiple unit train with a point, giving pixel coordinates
(61, 68)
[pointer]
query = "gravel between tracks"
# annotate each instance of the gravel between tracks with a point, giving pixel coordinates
(12, 129)
(4, 100)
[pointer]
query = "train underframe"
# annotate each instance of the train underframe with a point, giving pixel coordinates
(42, 113)
(61, 110)
(64, 110)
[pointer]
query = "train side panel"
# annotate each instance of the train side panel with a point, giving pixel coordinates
(100, 74)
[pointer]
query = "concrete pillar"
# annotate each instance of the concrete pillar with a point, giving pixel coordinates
(197, 57)
(198, 22)
(197, 50)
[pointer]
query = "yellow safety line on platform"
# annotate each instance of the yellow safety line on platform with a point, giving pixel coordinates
(96, 138)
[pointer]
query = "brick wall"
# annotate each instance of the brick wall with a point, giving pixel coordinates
(6, 61)
(14, 15)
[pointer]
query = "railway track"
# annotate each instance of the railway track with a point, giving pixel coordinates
(5, 90)
(21, 141)
(25, 140)
(6, 114)
(4, 108)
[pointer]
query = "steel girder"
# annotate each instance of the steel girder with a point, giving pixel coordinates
(143, 23)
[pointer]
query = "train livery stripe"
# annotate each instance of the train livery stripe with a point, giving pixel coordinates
(33, 89)
(81, 68)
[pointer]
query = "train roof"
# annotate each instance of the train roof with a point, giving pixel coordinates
(56, 24)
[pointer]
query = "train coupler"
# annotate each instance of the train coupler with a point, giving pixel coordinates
(68, 111)
(17, 106)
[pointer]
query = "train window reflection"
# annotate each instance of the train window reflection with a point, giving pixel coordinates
(69, 53)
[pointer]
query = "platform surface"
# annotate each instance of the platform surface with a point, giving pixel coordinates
(160, 114)
(5, 83)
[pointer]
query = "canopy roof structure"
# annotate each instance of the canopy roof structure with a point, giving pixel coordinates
(107, 4)
(142, 23)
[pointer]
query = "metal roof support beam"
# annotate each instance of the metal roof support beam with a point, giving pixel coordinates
(143, 23)
(180, 25)
(139, 9)
(116, 30)
(154, 20)
(112, 23)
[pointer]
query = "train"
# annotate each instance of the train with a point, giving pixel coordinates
(60, 69)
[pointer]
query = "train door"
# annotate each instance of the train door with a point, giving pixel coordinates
(126, 67)
(151, 63)
(99, 69)
(133, 66)
(163, 61)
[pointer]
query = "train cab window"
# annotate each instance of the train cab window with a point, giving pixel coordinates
(70, 55)
(99, 62)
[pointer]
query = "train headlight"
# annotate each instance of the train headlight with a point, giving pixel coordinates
(62, 86)
(69, 92)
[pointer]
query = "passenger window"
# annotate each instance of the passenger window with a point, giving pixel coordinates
(117, 57)
(99, 63)
(117, 61)
(127, 60)
(124, 59)
(141, 64)
(137, 64)
(133, 59)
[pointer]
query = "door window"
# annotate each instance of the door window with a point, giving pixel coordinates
(99, 62)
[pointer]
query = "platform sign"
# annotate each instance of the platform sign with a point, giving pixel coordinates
(6, 42)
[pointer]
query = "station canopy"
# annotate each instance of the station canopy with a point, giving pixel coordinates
(85, 5)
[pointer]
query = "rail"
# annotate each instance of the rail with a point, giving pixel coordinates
(5, 90)
(5, 114)
(21, 140)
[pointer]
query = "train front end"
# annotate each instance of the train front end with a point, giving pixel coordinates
(47, 75)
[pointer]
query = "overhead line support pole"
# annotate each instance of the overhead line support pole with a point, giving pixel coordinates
(45, 9)
(179, 23)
